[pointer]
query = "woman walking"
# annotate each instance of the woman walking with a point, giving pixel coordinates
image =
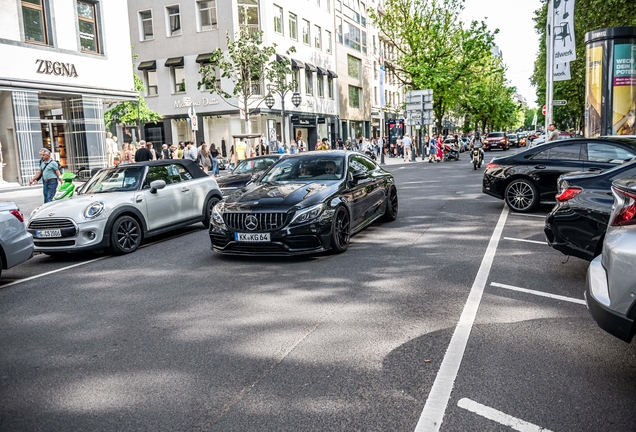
(215, 160)
(204, 159)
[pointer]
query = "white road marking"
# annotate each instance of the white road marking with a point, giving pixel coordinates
(526, 241)
(530, 215)
(539, 293)
(499, 417)
(51, 272)
(437, 401)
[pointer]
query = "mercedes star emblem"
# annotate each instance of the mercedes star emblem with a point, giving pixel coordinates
(251, 223)
(51, 214)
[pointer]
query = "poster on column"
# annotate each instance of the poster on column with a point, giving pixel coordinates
(593, 91)
(624, 89)
(564, 42)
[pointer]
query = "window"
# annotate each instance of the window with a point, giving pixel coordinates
(306, 39)
(296, 77)
(320, 84)
(338, 5)
(607, 153)
(375, 70)
(561, 152)
(248, 15)
(34, 21)
(353, 66)
(87, 27)
(330, 87)
(317, 37)
(364, 42)
(352, 37)
(339, 29)
(375, 46)
(375, 95)
(354, 96)
(174, 20)
(207, 15)
(145, 18)
(309, 82)
(178, 74)
(293, 26)
(278, 19)
(328, 41)
(152, 84)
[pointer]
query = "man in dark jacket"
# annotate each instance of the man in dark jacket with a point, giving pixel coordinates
(143, 154)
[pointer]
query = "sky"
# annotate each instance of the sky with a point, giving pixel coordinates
(517, 39)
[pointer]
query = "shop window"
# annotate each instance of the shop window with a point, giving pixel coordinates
(207, 15)
(306, 39)
(278, 19)
(34, 17)
(178, 75)
(87, 20)
(145, 18)
(354, 96)
(173, 17)
(152, 84)
(293, 26)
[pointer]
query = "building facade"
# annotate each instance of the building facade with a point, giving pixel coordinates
(63, 60)
(173, 40)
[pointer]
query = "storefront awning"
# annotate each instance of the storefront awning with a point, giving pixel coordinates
(203, 58)
(322, 71)
(297, 64)
(147, 65)
(280, 57)
(174, 61)
(332, 74)
(310, 67)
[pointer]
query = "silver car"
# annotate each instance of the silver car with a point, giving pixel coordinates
(611, 278)
(16, 244)
(120, 206)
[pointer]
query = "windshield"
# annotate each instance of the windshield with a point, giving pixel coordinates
(249, 166)
(513, 136)
(495, 135)
(115, 180)
(308, 168)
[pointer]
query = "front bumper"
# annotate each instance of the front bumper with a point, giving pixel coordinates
(598, 303)
(89, 235)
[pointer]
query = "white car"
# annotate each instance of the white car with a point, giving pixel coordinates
(16, 244)
(120, 206)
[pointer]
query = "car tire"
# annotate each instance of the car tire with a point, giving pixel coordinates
(125, 235)
(521, 195)
(340, 230)
(209, 205)
(392, 206)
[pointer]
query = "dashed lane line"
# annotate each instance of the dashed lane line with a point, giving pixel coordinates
(431, 418)
(525, 241)
(530, 215)
(538, 293)
(499, 417)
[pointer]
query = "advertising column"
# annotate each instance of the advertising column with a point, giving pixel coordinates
(593, 90)
(624, 89)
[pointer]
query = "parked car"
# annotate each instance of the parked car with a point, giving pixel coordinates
(611, 277)
(576, 225)
(306, 203)
(513, 140)
(120, 206)
(245, 172)
(529, 177)
(223, 162)
(496, 140)
(16, 244)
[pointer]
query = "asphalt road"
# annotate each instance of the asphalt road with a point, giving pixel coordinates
(175, 337)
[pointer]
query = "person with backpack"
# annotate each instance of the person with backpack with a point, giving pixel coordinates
(49, 173)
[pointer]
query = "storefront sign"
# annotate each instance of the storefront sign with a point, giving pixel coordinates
(48, 67)
(301, 121)
(187, 102)
(322, 120)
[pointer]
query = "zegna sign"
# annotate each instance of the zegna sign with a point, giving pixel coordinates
(48, 67)
(187, 102)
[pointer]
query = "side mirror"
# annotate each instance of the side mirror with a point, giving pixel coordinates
(357, 176)
(156, 185)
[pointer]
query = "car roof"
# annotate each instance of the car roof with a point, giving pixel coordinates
(191, 166)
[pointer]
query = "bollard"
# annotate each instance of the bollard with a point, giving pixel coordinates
(413, 153)
(382, 157)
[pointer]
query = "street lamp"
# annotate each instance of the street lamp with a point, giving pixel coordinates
(269, 101)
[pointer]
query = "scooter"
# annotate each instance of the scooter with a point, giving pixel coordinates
(67, 188)
(450, 152)
(478, 157)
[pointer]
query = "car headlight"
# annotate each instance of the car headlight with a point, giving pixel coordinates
(503, 141)
(93, 210)
(34, 212)
(217, 218)
(308, 214)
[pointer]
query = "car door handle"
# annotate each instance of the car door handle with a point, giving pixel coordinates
(185, 189)
(539, 167)
(139, 198)
(594, 169)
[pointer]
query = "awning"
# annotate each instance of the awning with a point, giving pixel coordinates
(332, 74)
(174, 61)
(322, 71)
(280, 57)
(310, 67)
(203, 58)
(148, 65)
(297, 64)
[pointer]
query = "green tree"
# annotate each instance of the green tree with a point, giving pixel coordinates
(247, 64)
(129, 112)
(589, 15)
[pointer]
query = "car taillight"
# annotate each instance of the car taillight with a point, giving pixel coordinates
(17, 214)
(491, 165)
(625, 208)
(568, 194)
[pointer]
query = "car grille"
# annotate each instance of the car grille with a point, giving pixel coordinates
(265, 221)
(51, 223)
(56, 243)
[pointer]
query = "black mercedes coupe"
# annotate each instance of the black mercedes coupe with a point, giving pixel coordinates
(304, 204)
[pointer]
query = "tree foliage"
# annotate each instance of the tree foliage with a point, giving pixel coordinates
(589, 15)
(247, 64)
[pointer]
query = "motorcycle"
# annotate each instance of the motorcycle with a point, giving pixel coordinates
(370, 153)
(478, 157)
(450, 152)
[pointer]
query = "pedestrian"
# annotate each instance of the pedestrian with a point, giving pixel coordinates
(111, 149)
(292, 147)
(190, 153)
(339, 143)
(215, 160)
(406, 148)
(143, 154)
(440, 148)
(432, 150)
(241, 151)
(180, 149)
(150, 146)
(165, 152)
(173, 151)
(204, 158)
(49, 173)
(126, 155)
(554, 133)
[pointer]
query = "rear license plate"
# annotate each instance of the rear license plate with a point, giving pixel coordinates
(252, 237)
(48, 233)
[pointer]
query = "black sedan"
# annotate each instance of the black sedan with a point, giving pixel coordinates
(246, 171)
(577, 224)
(524, 179)
(304, 204)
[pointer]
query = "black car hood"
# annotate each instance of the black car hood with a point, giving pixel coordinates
(234, 180)
(280, 196)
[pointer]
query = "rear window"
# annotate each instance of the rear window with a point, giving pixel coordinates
(561, 152)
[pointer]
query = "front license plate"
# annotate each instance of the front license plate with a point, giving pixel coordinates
(48, 233)
(252, 237)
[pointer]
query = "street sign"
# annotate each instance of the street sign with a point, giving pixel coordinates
(544, 110)
(193, 123)
(559, 102)
(414, 107)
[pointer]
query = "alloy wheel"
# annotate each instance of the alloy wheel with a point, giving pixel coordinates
(520, 196)
(127, 235)
(341, 229)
